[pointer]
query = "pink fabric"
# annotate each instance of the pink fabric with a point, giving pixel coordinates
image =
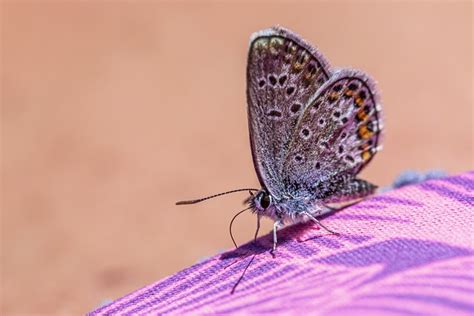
(405, 252)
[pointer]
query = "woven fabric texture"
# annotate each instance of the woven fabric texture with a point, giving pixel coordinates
(404, 252)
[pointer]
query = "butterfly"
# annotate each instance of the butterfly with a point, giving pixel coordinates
(312, 129)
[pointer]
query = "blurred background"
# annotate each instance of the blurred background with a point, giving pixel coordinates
(113, 110)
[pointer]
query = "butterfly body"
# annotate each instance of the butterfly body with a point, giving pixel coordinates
(312, 128)
(287, 210)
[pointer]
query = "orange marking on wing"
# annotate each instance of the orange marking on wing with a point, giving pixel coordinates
(362, 115)
(349, 93)
(297, 66)
(364, 132)
(333, 96)
(309, 76)
(359, 101)
(366, 155)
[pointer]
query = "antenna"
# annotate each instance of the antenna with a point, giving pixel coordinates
(213, 196)
(232, 222)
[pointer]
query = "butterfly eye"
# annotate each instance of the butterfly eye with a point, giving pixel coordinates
(265, 200)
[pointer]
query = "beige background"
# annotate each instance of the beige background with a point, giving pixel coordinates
(112, 111)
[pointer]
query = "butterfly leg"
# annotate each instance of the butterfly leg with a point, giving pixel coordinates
(276, 226)
(258, 227)
(319, 223)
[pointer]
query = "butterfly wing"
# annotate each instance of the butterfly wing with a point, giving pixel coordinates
(283, 73)
(335, 138)
(348, 193)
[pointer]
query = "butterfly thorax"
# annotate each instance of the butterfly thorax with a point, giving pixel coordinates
(288, 209)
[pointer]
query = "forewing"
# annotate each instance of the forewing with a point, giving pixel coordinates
(336, 136)
(283, 73)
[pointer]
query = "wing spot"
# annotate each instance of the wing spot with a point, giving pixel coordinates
(344, 120)
(272, 79)
(321, 122)
(364, 132)
(351, 90)
(325, 145)
(315, 106)
(305, 133)
(295, 108)
(333, 97)
(350, 158)
(310, 74)
(311, 68)
(343, 135)
(282, 80)
(337, 114)
(337, 87)
(353, 86)
(318, 165)
(274, 114)
(261, 83)
(290, 90)
(298, 158)
(363, 114)
(366, 155)
(300, 62)
(359, 100)
(341, 149)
